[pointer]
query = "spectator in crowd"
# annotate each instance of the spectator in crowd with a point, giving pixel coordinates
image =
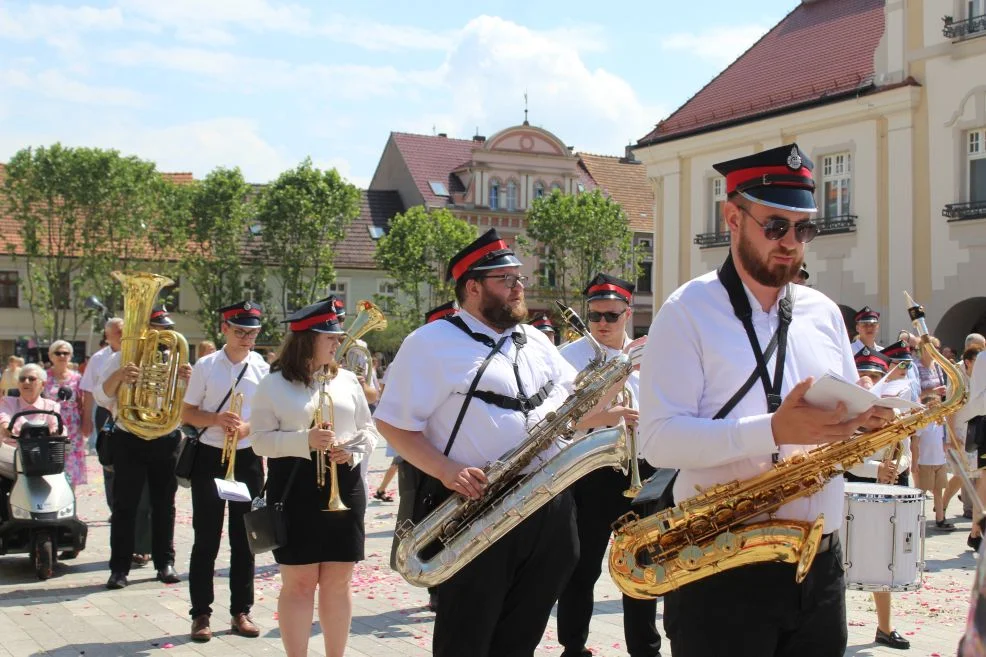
(30, 382)
(932, 473)
(205, 348)
(9, 378)
(62, 385)
(948, 353)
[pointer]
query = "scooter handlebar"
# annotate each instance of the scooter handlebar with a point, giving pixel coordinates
(37, 411)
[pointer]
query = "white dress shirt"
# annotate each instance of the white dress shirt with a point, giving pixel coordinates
(283, 412)
(697, 357)
(95, 370)
(976, 404)
(111, 365)
(432, 371)
(212, 377)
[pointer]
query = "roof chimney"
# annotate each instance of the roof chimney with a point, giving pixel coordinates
(479, 139)
(443, 135)
(628, 155)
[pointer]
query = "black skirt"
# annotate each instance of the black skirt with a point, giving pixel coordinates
(313, 534)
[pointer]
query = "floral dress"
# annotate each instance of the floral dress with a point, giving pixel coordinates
(71, 412)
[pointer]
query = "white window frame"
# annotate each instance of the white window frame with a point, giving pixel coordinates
(717, 198)
(975, 149)
(836, 168)
(493, 197)
(538, 189)
(382, 287)
(511, 196)
(332, 288)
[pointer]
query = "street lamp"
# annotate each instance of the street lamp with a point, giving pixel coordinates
(93, 303)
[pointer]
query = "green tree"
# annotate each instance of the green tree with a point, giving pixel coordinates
(415, 252)
(575, 237)
(302, 216)
(80, 213)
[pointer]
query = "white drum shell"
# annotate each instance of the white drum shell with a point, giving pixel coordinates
(883, 537)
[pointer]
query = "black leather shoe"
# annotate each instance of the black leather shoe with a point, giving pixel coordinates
(892, 640)
(974, 542)
(116, 581)
(168, 575)
(944, 526)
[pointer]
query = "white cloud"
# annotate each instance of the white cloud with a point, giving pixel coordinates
(52, 22)
(57, 85)
(345, 169)
(719, 45)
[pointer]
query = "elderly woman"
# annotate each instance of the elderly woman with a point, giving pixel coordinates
(9, 378)
(62, 378)
(30, 382)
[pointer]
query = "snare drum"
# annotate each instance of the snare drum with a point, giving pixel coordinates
(883, 537)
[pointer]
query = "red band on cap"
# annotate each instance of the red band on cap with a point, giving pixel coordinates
(158, 313)
(741, 176)
(438, 314)
(463, 265)
(542, 322)
(872, 359)
(236, 312)
(609, 287)
(308, 322)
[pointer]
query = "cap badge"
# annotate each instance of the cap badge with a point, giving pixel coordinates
(794, 159)
(247, 305)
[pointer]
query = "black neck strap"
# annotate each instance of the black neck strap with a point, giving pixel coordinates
(730, 280)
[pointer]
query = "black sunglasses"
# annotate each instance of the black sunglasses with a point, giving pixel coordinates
(27, 379)
(776, 228)
(63, 353)
(610, 317)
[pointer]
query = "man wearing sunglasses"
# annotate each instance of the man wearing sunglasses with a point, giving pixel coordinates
(599, 498)
(707, 340)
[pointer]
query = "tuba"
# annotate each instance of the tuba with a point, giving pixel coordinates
(460, 529)
(712, 531)
(151, 406)
(351, 355)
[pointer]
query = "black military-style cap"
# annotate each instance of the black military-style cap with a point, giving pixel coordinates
(779, 178)
(438, 312)
(486, 252)
(604, 286)
(160, 317)
(871, 361)
(245, 314)
(867, 315)
(320, 317)
(543, 323)
(897, 352)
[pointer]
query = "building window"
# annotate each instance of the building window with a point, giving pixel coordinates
(836, 184)
(546, 268)
(338, 288)
(511, 196)
(539, 189)
(8, 289)
(555, 187)
(580, 187)
(717, 198)
(977, 165)
(644, 280)
(494, 194)
(171, 297)
(386, 288)
(976, 8)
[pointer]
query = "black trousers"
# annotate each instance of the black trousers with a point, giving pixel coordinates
(136, 461)
(500, 603)
(599, 501)
(208, 510)
(760, 611)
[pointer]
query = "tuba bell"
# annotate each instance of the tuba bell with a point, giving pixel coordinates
(352, 355)
(151, 406)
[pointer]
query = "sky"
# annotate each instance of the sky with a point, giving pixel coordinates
(258, 84)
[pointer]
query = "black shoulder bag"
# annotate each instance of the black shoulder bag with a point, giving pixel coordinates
(188, 448)
(660, 482)
(266, 525)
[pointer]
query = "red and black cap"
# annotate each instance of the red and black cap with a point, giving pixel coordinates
(245, 314)
(867, 315)
(488, 251)
(320, 317)
(604, 286)
(898, 351)
(543, 323)
(779, 178)
(160, 317)
(871, 361)
(441, 311)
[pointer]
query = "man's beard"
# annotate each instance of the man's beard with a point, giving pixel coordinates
(776, 276)
(500, 314)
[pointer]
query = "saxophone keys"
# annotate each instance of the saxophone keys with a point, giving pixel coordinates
(728, 543)
(690, 557)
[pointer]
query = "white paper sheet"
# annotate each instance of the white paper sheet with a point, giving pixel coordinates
(233, 491)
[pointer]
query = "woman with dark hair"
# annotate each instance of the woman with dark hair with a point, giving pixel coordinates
(322, 546)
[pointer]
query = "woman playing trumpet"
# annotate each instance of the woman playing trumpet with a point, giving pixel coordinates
(322, 546)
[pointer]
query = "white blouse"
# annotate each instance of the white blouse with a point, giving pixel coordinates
(283, 412)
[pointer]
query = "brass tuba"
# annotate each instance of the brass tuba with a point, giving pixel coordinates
(151, 406)
(712, 531)
(351, 355)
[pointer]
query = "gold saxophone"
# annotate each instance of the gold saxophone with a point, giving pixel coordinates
(712, 531)
(353, 356)
(150, 407)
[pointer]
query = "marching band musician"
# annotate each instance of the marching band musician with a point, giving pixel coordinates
(705, 342)
(599, 496)
(500, 602)
(543, 323)
(216, 377)
(322, 546)
(135, 462)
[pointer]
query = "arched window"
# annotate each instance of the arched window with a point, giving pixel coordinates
(494, 194)
(538, 189)
(555, 186)
(511, 196)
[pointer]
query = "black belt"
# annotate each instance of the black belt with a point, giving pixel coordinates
(828, 542)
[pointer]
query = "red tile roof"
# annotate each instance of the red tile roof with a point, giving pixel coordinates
(433, 158)
(626, 183)
(819, 52)
(356, 249)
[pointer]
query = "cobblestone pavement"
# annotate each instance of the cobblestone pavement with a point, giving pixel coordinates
(72, 614)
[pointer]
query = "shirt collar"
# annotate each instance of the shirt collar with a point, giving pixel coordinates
(757, 308)
(479, 327)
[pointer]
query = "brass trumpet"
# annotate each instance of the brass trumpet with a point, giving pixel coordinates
(625, 399)
(232, 437)
(322, 460)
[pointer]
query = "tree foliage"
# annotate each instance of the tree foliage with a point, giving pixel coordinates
(415, 252)
(302, 216)
(576, 237)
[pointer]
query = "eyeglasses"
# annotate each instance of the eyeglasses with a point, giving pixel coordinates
(610, 317)
(63, 353)
(241, 333)
(776, 228)
(27, 379)
(510, 280)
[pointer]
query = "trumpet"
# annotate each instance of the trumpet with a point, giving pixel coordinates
(322, 460)
(625, 399)
(232, 436)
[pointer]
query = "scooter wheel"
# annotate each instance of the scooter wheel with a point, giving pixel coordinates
(43, 557)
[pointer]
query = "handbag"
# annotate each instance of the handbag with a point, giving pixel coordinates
(104, 451)
(266, 525)
(188, 447)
